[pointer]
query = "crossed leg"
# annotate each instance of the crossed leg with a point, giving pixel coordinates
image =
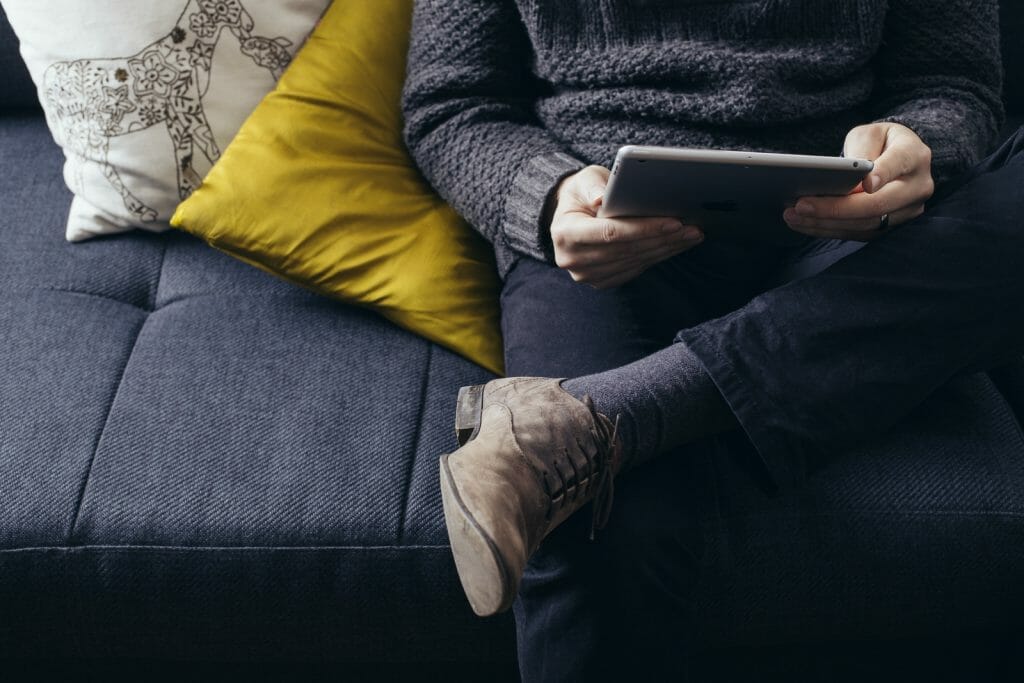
(849, 352)
(555, 327)
(865, 547)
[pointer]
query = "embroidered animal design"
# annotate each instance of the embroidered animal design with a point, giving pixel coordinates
(91, 101)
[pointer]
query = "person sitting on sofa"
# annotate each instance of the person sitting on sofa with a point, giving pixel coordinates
(675, 345)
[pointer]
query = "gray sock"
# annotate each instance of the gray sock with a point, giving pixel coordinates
(664, 400)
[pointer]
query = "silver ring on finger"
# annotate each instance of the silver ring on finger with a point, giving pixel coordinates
(883, 225)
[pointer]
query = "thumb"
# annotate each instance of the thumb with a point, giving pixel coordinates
(898, 159)
(868, 142)
(582, 191)
(595, 182)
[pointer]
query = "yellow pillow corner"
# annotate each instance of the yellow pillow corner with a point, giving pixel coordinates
(318, 189)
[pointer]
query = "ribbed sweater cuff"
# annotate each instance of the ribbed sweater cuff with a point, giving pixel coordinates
(955, 149)
(526, 206)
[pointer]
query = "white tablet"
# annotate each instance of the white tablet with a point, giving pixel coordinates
(728, 193)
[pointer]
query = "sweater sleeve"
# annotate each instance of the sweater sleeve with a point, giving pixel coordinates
(940, 74)
(470, 123)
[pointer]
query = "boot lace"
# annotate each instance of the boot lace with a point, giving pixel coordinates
(597, 476)
(606, 459)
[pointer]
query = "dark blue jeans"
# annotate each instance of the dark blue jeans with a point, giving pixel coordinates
(853, 372)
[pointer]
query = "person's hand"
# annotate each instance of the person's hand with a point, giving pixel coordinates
(894, 193)
(607, 252)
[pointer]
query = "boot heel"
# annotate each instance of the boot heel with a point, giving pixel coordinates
(468, 410)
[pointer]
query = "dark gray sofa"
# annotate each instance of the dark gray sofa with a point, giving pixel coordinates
(200, 462)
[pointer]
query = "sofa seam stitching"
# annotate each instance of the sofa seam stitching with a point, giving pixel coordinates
(103, 430)
(75, 292)
(970, 514)
(222, 548)
(170, 302)
(411, 469)
(155, 297)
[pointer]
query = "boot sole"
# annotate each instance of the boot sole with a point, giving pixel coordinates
(481, 571)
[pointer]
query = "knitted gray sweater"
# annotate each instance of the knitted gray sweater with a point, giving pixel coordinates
(504, 98)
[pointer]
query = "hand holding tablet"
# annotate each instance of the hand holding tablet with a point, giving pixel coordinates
(607, 252)
(729, 194)
(600, 247)
(764, 197)
(896, 190)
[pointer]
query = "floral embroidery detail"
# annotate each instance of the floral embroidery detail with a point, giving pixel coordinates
(92, 101)
(151, 114)
(271, 54)
(222, 12)
(202, 25)
(116, 102)
(153, 76)
(201, 55)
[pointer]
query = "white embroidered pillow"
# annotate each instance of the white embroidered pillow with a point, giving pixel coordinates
(143, 94)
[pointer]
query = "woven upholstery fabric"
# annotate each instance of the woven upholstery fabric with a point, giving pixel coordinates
(200, 460)
(933, 508)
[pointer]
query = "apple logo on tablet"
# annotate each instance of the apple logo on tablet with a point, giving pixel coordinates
(720, 206)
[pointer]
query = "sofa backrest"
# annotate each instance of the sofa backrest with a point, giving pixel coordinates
(17, 91)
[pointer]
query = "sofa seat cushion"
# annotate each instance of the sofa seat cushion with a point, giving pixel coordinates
(205, 460)
(200, 461)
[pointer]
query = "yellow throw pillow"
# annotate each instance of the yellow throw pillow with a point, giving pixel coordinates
(317, 188)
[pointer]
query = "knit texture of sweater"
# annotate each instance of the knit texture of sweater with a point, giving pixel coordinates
(505, 98)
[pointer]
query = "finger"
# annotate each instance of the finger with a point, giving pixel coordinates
(848, 226)
(865, 142)
(603, 270)
(905, 216)
(586, 256)
(583, 191)
(860, 232)
(860, 226)
(863, 206)
(630, 271)
(904, 155)
(599, 273)
(604, 231)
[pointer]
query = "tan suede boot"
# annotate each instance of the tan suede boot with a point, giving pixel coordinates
(532, 454)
